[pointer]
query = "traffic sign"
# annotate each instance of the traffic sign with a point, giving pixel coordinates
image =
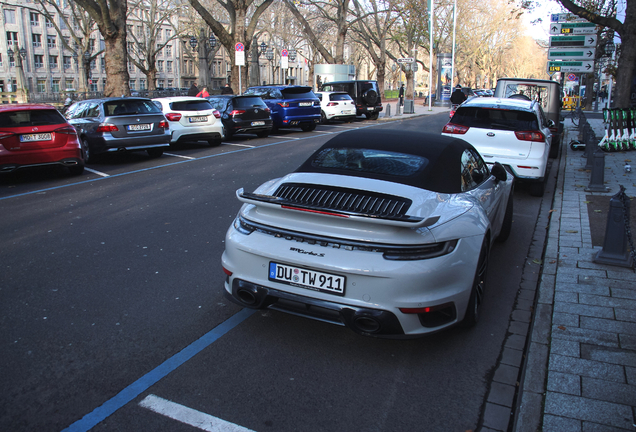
(239, 47)
(573, 41)
(406, 60)
(571, 53)
(566, 17)
(570, 66)
(239, 54)
(572, 77)
(573, 28)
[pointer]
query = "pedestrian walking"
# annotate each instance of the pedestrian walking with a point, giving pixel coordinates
(401, 95)
(203, 93)
(458, 96)
(194, 90)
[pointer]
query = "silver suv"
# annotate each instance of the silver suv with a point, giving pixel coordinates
(119, 124)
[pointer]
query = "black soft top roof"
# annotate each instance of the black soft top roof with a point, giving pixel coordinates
(441, 174)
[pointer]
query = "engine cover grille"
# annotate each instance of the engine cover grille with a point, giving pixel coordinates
(344, 199)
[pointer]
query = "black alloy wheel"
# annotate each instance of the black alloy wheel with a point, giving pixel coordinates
(473, 311)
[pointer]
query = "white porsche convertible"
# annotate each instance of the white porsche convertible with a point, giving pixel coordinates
(384, 231)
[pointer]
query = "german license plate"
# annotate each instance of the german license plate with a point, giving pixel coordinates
(139, 127)
(258, 123)
(198, 119)
(305, 103)
(305, 278)
(35, 137)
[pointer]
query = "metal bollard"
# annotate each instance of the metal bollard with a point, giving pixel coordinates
(397, 109)
(615, 245)
(590, 147)
(387, 113)
(597, 178)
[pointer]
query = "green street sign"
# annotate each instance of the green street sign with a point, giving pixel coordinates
(570, 66)
(571, 53)
(572, 28)
(572, 41)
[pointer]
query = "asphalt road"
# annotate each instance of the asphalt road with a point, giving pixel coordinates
(109, 280)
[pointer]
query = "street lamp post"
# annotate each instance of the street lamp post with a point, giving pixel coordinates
(19, 79)
(269, 55)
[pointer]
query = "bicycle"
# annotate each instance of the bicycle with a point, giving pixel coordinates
(575, 116)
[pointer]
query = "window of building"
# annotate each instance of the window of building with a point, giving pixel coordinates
(168, 34)
(55, 86)
(140, 31)
(35, 19)
(12, 38)
(41, 85)
(159, 50)
(160, 65)
(93, 64)
(168, 50)
(142, 84)
(53, 62)
(48, 22)
(160, 84)
(170, 83)
(0, 59)
(93, 86)
(70, 85)
(9, 16)
(51, 41)
(103, 64)
(38, 60)
(168, 67)
(66, 61)
(132, 84)
(37, 40)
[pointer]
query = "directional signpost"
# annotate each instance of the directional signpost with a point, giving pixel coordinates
(572, 41)
(571, 53)
(570, 66)
(577, 28)
(574, 49)
(406, 60)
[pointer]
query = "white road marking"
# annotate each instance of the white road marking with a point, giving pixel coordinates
(189, 416)
(99, 173)
(181, 156)
(284, 137)
(240, 145)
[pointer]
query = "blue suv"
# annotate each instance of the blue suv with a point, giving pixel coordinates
(290, 105)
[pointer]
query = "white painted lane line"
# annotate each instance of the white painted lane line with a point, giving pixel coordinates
(99, 173)
(189, 416)
(181, 156)
(284, 137)
(240, 145)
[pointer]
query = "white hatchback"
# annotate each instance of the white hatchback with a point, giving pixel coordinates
(192, 119)
(336, 106)
(512, 131)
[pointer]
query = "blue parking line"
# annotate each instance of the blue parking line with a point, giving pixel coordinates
(145, 382)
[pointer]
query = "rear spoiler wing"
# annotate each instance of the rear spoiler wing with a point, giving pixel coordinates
(283, 204)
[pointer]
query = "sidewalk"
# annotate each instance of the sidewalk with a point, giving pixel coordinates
(580, 371)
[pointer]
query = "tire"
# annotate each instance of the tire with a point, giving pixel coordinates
(263, 134)
(372, 116)
(215, 142)
(554, 148)
(87, 155)
(155, 152)
(228, 134)
(506, 225)
(536, 189)
(323, 118)
(308, 127)
(370, 97)
(473, 311)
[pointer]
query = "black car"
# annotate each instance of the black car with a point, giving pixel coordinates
(119, 124)
(243, 114)
(365, 94)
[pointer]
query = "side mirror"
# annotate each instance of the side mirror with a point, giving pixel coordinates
(499, 172)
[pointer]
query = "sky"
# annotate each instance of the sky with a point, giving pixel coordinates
(546, 7)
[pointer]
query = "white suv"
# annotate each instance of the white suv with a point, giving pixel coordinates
(336, 106)
(513, 132)
(192, 119)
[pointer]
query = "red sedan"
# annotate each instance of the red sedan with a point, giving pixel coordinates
(36, 135)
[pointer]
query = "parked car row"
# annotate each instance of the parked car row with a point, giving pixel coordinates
(38, 134)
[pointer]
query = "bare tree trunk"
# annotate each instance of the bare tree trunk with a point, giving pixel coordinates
(118, 82)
